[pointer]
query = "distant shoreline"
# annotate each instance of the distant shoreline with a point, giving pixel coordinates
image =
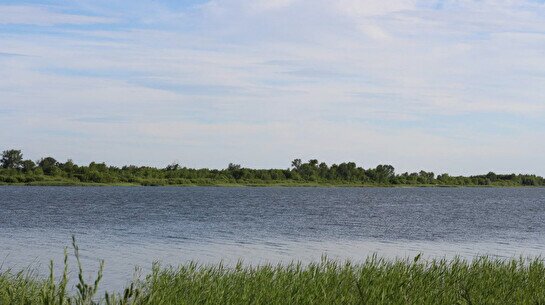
(15, 170)
(250, 185)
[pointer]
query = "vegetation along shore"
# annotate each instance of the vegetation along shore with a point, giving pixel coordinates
(376, 281)
(15, 170)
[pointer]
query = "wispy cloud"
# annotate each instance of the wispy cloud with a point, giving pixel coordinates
(4, 54)
(44, 16)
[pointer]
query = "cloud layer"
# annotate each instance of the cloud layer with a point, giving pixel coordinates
(448, 86)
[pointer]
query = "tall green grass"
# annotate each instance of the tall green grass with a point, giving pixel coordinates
(376, 281)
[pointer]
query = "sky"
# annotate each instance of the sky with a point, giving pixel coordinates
(445, 86)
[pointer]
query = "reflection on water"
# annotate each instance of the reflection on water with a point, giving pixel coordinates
(135, 226)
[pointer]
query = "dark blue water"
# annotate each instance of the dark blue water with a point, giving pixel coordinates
(134, 226)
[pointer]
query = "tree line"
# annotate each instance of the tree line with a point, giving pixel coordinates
(15, 169)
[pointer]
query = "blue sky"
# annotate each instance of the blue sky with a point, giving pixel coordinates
(447, 86)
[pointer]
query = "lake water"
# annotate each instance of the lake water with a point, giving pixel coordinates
(134, 226)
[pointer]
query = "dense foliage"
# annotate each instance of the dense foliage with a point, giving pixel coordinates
(376, 281)
(16, 170)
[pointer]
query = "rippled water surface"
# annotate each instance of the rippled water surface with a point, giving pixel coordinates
(134, 226)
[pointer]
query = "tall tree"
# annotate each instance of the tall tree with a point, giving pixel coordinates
(296, 164)
(48, 165)
(384, 173)
(28, 166)
(11, 158)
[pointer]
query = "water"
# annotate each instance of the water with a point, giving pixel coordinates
(135, 226)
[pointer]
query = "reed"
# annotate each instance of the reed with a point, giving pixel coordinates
(483, 280)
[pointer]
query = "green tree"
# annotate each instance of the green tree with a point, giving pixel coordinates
(323, 170)
(68, 167)
(528, 181)
(444, 179)
(383, 173)
(233, 167)
(296, 164)
(11, 159)
(173, 167)
(48, 165)
(346, 170)
(492, 176)
(28, 166)
(235, 170)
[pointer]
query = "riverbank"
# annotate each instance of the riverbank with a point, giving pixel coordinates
(221, 183)
(48, 171)
(377, 281)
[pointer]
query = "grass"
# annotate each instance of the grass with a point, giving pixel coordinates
(376, 281)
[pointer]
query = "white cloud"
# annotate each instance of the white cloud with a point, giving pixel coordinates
(266, 5)
(374, 32)
(41, 15)
(369, 8)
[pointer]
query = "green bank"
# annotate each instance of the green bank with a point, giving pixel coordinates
(16, 170)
